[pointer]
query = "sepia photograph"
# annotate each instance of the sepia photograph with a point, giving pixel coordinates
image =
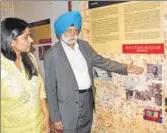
(154, 72)
(151, 95)
(101, 74)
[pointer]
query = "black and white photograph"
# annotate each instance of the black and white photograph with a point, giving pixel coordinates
(154, 72)
(101, 74)
(149, 95)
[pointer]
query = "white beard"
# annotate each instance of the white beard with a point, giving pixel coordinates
(69, 40)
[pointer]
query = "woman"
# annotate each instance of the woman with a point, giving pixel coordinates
(23, 97)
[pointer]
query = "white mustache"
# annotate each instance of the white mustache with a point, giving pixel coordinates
(70, 39)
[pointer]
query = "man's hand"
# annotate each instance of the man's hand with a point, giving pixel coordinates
(58, 126)
(134, 69)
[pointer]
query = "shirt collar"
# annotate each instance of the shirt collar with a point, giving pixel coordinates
(65, 46)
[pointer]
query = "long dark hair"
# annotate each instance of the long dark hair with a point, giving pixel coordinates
(11, 28)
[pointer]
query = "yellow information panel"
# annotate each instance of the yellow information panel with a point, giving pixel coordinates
(132, 103)
(116, 24)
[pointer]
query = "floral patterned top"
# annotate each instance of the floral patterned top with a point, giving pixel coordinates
(21, 110)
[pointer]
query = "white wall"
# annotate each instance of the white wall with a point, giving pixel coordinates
(59, 7)
(32, 11)
(7, 9)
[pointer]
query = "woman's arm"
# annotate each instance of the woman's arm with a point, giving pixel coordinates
(44, 106)
(46, 116)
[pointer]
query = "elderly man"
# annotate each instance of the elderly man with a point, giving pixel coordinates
(69, 76)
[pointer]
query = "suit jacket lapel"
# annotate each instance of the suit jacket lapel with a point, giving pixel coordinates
(81, 47)
(62, 52)
(85, 54)
(64, 57)
(66, 61)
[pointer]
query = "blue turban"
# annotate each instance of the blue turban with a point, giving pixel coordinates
(65, 20)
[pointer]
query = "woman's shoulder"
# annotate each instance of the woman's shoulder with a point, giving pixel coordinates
(5, 62)
(6, 66)
(3, 59)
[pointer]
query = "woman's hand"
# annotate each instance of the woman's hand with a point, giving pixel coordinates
(46, 120)
(46, 125)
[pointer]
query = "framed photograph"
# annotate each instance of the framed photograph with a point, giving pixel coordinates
(154, 72)
(153, 115)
